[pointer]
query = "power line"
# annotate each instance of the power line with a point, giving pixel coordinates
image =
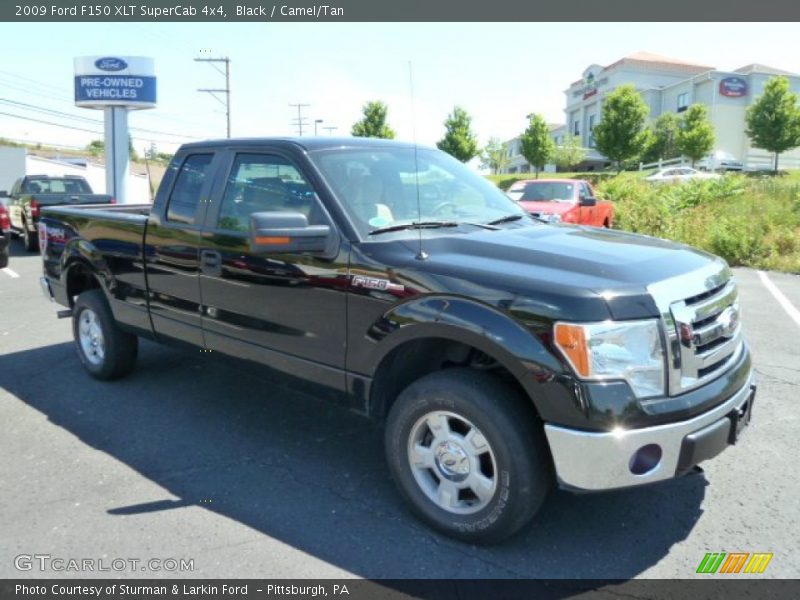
(25, 87)
(226, 90)
(61, 114)
(300, 120)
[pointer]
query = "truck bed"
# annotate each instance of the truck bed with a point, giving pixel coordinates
(115, 231)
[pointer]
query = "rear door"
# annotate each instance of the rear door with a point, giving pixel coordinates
(286, 310)
(172, 249)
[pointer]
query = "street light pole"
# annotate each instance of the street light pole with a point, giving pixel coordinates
(316, 122)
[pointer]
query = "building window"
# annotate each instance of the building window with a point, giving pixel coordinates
(591, 123)
(576, 128)
(683, 101)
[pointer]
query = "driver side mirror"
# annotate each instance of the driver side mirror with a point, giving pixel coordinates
(278, 232)
(3, 193)
(584, 200)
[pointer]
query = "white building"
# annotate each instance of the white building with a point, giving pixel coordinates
(15, 162)
(671, 85)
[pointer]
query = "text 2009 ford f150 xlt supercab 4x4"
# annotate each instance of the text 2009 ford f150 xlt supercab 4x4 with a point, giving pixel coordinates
(505, 355)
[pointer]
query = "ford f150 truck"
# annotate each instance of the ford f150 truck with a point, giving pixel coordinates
(32, 192)
(505, 355)
(563, 200)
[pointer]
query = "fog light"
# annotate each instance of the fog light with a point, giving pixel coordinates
(645, 459)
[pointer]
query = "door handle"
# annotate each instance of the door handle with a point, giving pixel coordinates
(210, 258)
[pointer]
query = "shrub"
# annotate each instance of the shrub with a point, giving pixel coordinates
(748, 221)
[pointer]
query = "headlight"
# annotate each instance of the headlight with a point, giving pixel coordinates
(629, 350)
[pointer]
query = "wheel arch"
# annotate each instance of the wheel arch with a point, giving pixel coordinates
(83, 268)
(423, 336)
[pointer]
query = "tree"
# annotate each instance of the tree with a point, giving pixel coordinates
(131, 150)
(620, 134)
(151, 152)
(373, 124)
(773, 121)
(459, 141)
(96, 147)
(696, 134)
(570, 153)
(663, 138)
(495, 156)
(536, 145)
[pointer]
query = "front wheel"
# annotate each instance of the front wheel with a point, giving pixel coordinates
(105, 350)
(468, 453)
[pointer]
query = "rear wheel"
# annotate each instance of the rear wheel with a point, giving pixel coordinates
(105, 350)
(468, 453)
(30, 240)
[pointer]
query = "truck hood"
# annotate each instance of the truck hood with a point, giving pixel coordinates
(582, 272)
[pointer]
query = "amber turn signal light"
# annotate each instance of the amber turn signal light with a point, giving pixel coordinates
(571, 339)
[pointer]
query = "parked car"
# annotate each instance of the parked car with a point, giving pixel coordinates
(32, 192)
(562, 200)
(5, 235)
(679, 174)
(505, 356)
(720, 161)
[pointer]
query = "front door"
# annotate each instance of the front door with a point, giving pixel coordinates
(287, 310)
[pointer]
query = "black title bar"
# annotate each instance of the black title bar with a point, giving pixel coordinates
(337, 11)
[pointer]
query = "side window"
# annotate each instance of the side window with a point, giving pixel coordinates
(265, 183)
(186, 193)
(586, 191)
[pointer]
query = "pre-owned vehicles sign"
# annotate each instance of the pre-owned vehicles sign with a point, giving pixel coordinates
(115, 81)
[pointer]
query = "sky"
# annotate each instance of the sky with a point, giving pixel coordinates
(498, 72)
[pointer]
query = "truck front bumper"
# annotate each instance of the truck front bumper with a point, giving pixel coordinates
(594, 461)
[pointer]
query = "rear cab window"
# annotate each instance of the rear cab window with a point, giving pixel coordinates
(185, 196)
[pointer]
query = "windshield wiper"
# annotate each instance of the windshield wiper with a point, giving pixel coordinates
(414, 225)
(506, 219)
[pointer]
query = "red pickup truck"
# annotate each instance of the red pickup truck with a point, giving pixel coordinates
(567, 200)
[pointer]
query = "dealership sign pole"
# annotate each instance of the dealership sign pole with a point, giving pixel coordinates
(116, 84)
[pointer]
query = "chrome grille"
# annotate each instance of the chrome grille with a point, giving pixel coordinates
(700, 319)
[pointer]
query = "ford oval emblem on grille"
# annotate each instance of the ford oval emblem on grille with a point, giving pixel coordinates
(110, 64)
(728, 321)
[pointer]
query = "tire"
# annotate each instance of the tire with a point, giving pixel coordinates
(512, 465)
(105, 350)
(29, 240)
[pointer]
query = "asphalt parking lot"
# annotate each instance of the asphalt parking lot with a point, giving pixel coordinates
(191, 457)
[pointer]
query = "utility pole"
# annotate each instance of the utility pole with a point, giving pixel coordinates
(331, 129)
(300, 120)
(226, 90)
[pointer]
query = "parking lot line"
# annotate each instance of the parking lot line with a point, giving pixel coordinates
(778, 295)
(10, 273)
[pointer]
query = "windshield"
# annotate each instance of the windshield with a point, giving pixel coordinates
(378, 188)
(53, 185)
(544, 191)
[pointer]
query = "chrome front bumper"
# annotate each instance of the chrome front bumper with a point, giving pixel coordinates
(595, 461)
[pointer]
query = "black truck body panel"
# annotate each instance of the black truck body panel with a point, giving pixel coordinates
(500, 292)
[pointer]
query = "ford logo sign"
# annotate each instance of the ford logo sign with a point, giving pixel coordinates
(110, 64)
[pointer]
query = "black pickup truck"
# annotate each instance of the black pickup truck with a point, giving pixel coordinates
(32, 192)
(505, 355)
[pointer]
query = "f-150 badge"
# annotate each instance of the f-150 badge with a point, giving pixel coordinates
(373, 283)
